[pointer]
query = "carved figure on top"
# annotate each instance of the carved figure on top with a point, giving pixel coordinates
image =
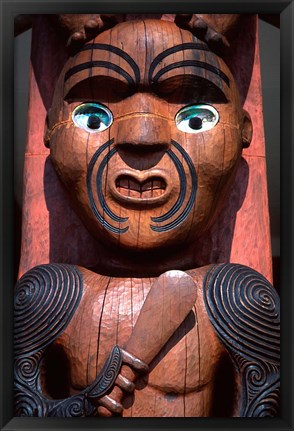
(146, 132)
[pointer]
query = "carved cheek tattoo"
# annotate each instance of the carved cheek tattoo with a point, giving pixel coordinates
(94, 188)
(98, 182)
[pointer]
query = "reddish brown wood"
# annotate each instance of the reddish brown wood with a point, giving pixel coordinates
(218, 30)
(190, 357)
(170, 299)
(151, 130)
(120, 183)
(52, 206)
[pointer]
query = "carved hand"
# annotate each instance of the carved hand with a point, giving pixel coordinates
(131, 367)
(79, 28)
(214, 29)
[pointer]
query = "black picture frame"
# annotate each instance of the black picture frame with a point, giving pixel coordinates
(8, 10)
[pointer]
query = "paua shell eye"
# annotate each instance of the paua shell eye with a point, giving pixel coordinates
(92, 117)
(196, 118)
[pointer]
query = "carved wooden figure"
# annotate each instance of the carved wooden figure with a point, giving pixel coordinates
(145, 132)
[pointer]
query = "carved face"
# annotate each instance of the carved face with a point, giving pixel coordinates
(146, 130)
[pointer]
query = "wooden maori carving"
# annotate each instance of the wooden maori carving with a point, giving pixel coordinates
(145, 132)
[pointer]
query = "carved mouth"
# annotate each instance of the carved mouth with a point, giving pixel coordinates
(130, 187)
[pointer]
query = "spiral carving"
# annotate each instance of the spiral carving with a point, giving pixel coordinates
(28, 369)
(256, 375)
(84, 404)
(75, 407)
(244, 310)
(265, 403)
(71, 407)
(108, 375)
(28, 403)
(29, 400)
(46, 298)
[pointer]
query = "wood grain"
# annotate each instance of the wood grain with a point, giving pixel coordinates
(137, 203)
(167, 304)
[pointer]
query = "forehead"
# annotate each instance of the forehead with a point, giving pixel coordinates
(147, 53)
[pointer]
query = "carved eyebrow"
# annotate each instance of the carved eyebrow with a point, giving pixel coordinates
(174, 49)
(109, 65)
(195, 63)
(105, 64)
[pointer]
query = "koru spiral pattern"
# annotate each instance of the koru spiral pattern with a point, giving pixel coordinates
(244, 310)
(46, 298)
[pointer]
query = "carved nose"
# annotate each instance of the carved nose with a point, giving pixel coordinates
(143, 131)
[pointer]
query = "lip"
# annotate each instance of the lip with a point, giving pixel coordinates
(137, 188)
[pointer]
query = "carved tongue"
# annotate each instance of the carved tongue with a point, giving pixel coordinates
(129, 186)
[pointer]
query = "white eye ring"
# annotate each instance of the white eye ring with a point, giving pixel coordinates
(92, 117)
(196, 118)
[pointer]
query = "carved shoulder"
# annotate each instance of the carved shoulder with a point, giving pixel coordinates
(244, 310)
(45, 300)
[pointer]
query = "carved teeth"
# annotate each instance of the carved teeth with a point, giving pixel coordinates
(129, 186)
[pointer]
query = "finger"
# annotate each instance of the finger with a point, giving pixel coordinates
(76, 39)
(135, 363)
(93, 24)
(78, 35)
(214, 38)
(111, 405)
(103, 411)
(200, 29)
(125, 384)
(193, 23)
(93, 27)
(198, 25)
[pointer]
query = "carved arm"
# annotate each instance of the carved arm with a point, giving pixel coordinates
(243, 307)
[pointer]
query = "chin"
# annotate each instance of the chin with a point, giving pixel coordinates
(142, 245)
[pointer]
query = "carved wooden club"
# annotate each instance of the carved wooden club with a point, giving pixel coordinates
(168, 303)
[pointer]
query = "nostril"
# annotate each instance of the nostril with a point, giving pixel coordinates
(141, 157)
